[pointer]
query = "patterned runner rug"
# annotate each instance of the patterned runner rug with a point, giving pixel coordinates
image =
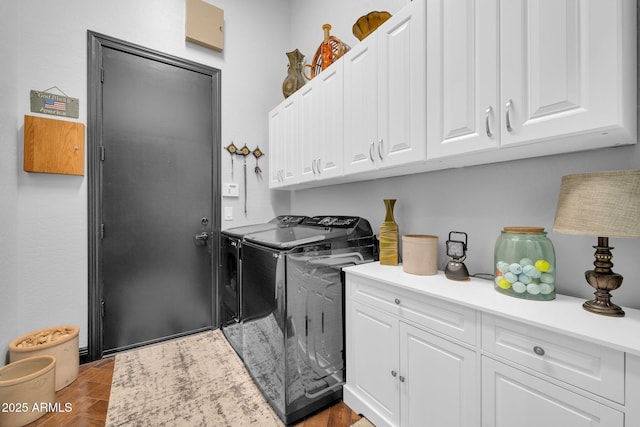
(193, 381)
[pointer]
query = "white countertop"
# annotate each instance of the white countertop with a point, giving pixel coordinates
(563, 315)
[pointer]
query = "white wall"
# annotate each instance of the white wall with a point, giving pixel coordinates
(475, 199)
(9, 307)
(43, 229)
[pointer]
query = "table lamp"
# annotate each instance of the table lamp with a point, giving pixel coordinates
(602, 204)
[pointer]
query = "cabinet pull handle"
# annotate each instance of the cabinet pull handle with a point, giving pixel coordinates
(401, 379)
(397, 301)
(380, 149)
(394, 373)
(538, 350)
(508, 120)
(318, 166)
(371, 151)
(486, 121)
(313, 166)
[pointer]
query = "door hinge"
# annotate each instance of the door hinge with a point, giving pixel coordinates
(101, 231)
(102, 153)
(102, 308)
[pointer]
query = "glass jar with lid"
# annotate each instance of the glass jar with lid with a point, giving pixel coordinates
(525, 264)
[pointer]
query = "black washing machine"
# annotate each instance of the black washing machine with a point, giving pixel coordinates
(230, 287)
(292, 307)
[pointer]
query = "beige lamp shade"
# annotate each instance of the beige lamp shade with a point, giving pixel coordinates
(600, 204)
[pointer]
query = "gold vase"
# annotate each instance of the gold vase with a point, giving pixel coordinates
(295, 79)
(389, 236)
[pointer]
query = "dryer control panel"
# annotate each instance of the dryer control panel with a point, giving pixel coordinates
(331, 221)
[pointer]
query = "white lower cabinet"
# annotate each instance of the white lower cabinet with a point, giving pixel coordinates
(424, 351)
(402, 375)
(373, 364)
(511, 396)
(438, 382)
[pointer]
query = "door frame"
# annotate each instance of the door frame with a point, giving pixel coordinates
(95, 43)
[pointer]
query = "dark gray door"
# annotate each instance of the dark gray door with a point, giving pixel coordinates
(157, 203)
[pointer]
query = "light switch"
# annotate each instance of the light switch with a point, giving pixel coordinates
(230, 190)
(228, 213)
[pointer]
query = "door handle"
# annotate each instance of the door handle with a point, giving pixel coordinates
(508, 119)
(201, 239)
(487, 113)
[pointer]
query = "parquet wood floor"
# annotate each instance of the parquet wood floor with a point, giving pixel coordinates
(89, 399)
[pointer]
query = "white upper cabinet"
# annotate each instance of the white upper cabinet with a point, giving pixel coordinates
(275, 146)
(283, 138)
(385, 95)
(309, 124)
(514, 72)
(402, 87)
(561, 67)
(330, 154)
(361, 105)
(451, 83)
(321, 120)
(462, 77)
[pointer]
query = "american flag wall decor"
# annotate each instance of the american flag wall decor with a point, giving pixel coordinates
(53, 104)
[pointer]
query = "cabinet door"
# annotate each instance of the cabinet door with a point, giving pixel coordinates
(373, 361)
(309, 119)
(402, 87)
(329, 152)
(510, 396)
(561, 67)
(438, 378)
(275, 146)
(361, 105)
(290, 138)
(462, 77)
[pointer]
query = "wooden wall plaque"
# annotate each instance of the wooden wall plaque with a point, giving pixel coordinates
(53, 146)
(204, 24)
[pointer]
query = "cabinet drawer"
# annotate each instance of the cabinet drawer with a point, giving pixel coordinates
(456, 321)
(592, 367)
(511, 397)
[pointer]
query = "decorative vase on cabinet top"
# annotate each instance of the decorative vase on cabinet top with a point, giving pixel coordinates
(389, 236)
(295, 79)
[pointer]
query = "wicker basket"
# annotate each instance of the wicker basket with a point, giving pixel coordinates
(60, 342)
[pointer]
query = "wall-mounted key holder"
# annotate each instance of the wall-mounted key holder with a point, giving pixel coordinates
(230, 190)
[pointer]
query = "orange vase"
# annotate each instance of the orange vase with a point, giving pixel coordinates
(326, 50)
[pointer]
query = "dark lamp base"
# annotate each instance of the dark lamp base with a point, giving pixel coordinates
(599, 307)
(603, 280)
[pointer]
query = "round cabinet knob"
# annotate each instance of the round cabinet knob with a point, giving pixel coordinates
(394, 373)
(397, 301)
(401, 379)
(538, 350)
